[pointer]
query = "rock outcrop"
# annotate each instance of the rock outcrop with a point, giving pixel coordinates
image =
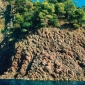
(49, 54)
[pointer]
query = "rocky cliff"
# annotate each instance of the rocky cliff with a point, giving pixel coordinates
(47, 54)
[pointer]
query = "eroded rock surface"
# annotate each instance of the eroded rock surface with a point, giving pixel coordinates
(49, 54)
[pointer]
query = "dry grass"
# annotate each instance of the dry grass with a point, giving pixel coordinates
(2, 25)
(3, 5)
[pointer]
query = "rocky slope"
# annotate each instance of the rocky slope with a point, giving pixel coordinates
(47, 54)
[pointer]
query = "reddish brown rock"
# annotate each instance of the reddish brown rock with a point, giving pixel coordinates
(28, 58)
(58, 63)
(48, 54)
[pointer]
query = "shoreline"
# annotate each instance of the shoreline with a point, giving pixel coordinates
(42, 80)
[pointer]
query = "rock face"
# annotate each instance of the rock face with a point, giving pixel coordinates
(49, 53)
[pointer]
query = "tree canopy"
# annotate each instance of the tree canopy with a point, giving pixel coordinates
(33, 15)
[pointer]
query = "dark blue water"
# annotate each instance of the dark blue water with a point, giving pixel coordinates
(28, 82)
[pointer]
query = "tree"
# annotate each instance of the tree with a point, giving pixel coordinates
(62, 0)
(48, 6)
(59, 9)
(18, 20)
(83, 8)
(53, 22)
(45, 13)
(77, 17)
(28, 18)
(69, 8)
(52, 1)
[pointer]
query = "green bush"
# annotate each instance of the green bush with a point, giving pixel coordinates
(76, 26)
(26, 24)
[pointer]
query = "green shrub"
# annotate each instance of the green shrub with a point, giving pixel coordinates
(76, 26)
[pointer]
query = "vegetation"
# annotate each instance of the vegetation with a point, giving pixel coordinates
(27, 15)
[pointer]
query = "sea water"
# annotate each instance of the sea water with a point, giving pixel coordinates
(30, 82)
